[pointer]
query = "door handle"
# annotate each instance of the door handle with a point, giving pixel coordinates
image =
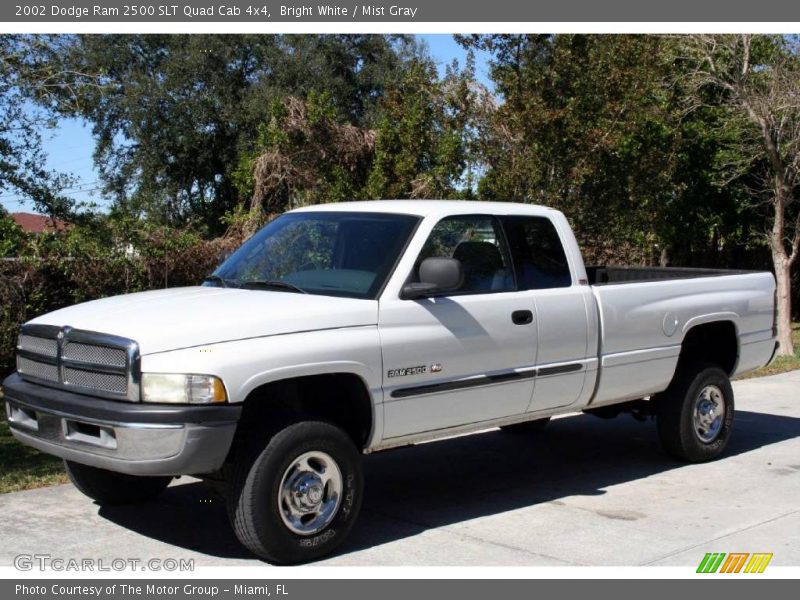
(522, 317)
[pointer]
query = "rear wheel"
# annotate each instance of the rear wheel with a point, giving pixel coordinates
(695, 414)
(297, 499)
(527, 427)
(110, 488)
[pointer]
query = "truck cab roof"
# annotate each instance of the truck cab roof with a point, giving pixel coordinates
(424, 208)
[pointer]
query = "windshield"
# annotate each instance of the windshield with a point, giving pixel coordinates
(329, 253)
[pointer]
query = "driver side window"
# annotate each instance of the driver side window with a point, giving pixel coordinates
(477, 242)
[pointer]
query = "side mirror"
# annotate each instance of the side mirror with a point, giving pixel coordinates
(436, 275)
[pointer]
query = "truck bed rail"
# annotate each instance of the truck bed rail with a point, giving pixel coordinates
(609, 275)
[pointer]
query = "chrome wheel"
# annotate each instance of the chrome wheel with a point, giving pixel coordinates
(310, 493)
(709, 413)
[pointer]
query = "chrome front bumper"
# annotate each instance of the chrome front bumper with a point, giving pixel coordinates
(137, 439)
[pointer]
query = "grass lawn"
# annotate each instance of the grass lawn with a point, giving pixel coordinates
(23, 468)
(781, 364)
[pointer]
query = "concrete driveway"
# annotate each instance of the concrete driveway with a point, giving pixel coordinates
(588, 492)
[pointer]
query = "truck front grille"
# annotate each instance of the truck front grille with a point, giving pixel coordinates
(117, 384)
(36, 370)
(87, 353)
(85, 362)
(38, 345)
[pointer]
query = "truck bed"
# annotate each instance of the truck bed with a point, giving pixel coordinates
(645, 312)
(613, 274)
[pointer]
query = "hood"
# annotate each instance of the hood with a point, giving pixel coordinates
(177, 318)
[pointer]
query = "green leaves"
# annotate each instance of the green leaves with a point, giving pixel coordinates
(26, 77)
(597, 126)
(179, 120)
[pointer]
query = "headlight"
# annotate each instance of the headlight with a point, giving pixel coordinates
(182, 389)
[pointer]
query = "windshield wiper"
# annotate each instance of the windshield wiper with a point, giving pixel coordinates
(217, 279)
(273, 284)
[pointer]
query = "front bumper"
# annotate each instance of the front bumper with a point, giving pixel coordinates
(132, 438)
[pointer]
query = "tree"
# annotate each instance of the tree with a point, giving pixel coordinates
(26, 77)
(423, 133)
(305, 155)
(757, 80)
(585, 126)
(174, 113)
(11, 236)
(597, 126)
(415, 143)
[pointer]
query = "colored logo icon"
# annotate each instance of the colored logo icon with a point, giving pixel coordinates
(734, 562)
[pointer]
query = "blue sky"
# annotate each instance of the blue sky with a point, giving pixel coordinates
(70, 145)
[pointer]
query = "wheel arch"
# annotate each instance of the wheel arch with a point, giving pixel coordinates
(712, 339)
(341, 397)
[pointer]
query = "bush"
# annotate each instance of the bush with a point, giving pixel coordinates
(95, 260)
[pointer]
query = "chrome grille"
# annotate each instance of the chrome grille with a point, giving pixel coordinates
(100, 355)
(81, 361)
(96, 380)
(38, 345)
(31, 369)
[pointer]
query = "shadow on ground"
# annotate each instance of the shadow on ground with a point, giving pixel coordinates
(432, 485)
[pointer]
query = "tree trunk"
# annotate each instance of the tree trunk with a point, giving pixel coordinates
(784, 303)
(663, 260)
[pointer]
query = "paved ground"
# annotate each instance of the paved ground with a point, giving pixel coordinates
(589, 492)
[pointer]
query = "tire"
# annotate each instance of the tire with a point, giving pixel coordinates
(527, 427)
(265, 505)
(687, 430)
(110, 488)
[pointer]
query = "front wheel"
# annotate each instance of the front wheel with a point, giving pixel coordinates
(110, 488)
(297, 499)
(695, 414)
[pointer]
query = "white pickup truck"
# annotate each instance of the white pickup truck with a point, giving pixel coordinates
(350, 328)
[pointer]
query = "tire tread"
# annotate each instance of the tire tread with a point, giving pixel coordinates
(674, 419)
(251, 473)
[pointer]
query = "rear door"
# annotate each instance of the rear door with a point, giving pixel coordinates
(564, 312)
(465, 357)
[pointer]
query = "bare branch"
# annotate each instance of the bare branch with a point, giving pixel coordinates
(758, 79)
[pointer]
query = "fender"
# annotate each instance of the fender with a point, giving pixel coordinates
(361, 370)
(711, 318)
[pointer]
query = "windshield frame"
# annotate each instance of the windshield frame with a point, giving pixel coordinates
(376, 288)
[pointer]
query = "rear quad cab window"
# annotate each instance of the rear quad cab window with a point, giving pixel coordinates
(537, 251)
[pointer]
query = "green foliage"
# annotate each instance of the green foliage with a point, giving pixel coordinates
(203, 133)
(98, 258)
(420, 149)
(177, 118)
(312, 154)
(26, 76)
(12, 237)
(597, 126)
(413, 145)
(406, 130)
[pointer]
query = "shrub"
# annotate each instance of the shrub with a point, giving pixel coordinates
(95, 260)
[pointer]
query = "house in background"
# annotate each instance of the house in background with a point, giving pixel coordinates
(31, 223)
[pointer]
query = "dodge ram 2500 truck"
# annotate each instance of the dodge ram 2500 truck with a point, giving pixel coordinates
(344, 329)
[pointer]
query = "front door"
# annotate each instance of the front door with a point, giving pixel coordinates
(466, 357)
